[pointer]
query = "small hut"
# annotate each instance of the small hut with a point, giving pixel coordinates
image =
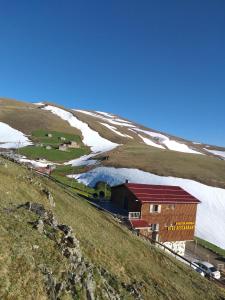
(73, 144)
(63, 147)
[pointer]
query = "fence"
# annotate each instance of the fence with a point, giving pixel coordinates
(124, 221)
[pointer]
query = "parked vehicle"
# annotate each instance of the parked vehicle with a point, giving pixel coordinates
(198, 269)
(207, 268)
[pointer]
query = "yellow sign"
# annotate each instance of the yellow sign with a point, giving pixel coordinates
(182, 226)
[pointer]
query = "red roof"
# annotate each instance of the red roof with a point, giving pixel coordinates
(138, 223)
(160, 193)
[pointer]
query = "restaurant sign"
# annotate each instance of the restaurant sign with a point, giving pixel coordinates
(181, 226)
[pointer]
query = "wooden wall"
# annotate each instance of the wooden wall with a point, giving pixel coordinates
(169, 217)
(119, 194)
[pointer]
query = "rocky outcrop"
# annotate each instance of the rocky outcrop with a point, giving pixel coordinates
(80, 277)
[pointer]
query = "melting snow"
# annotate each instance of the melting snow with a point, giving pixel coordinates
(83, 160)
(170, 144)
(114, 129)
(91, 138)
(217, 152)
(39, 103)
(12, 138)
(35, 163)
(114, 121)
(150, 143)
(210, 223)
(105, 114)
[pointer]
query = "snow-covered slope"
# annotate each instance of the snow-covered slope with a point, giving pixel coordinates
(154, 139)
(170, 144)
(91, 138)
(216, 152)
(211, 212)
(12, 138)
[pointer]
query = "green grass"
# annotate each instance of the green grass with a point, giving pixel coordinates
(75, 186)
(53, 155)
(60, 173)
(104, 242)
(41, 137)
(211, 247)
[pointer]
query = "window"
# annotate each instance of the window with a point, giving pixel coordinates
(154, 227)
(155, 208)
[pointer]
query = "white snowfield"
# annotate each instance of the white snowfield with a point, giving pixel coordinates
(41, 163)
(84, 160)
(112, 120)
(210, 223)
(91, 138)
(163, 140)
(105, 114)
(12, 138)
(217, 152)
(170, 144)
(150, 142)
(38, 103)
(114, 129)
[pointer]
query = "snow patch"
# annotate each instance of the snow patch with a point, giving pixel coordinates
(210, 223)
(114, 129)
(216, 152)
(114, 121)
(12, 138)
(91, 138)
(39, 103)
(83, 160)
(150, 143)
(41, 163)
(105, 114)
(170, 144)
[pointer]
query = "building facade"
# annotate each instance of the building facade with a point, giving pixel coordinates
(166, 214)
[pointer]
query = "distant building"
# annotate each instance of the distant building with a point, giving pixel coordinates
(69, 145)
(49, 135)
(63, 147)
(45, 170)
(162, 213)
(48, 147)
(73, 144)
(62, 138)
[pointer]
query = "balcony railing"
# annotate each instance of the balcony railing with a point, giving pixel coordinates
(134, 215)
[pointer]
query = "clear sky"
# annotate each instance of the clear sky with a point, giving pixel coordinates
(160, 63)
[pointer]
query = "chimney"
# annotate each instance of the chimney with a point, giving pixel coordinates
(126, 181)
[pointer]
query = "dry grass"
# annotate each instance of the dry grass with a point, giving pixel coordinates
(103, 241)
(28, 118)
(202, 168)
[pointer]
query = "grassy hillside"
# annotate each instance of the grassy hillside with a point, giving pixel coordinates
(202, 168)
(104, 242)
(132, 153)
(41, 140)
(27, 118)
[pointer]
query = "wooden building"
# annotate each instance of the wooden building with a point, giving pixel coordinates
(73, 144)
(163, 213)
(63, 147)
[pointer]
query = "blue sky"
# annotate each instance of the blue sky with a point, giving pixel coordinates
(160, 63)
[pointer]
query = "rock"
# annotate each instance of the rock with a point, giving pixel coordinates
(49, 196)
(65, 228)
(90, 286)
(79, 276)
(36, 208)
(39, 225)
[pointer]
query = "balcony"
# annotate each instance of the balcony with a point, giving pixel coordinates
(134, 215)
